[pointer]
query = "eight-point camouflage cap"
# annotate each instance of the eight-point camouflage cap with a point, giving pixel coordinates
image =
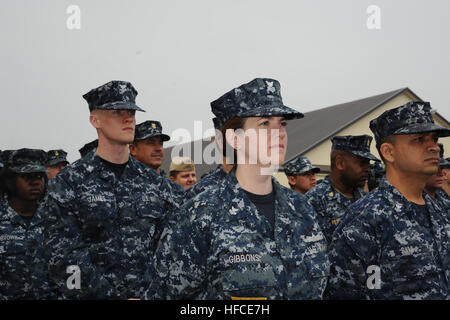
(55, 157)
(149, 129)
(182, 164)
(88, 147)
(357, 145)
(25, 160)
(260, 97)
(114, 95)
(298, 166)
(1, 163)
(412, 117)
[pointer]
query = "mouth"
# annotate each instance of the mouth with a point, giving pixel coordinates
(433, 160)
(127, 129)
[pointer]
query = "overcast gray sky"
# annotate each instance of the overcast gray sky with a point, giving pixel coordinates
(180, 55)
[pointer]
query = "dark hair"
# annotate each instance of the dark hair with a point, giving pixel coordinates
(173, 174)
(234, 124)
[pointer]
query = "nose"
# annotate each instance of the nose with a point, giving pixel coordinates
(35, 181)
(433, 147)
(128, 116)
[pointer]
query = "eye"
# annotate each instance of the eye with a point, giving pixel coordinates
(264, 123)
(420, 139)
(284, 123)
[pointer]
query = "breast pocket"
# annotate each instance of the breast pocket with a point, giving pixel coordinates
(414, 274)
(311, 278)
(12, 259)
(249, 283)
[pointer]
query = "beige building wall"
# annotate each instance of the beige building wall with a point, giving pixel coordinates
(320, 155)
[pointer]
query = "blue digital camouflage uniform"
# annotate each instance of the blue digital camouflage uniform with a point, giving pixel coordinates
(209, 181)
(443, 198)
(22, 261)
(328, 202)
(330, 205)
(219, 247)
(382, 230)
(107, 227)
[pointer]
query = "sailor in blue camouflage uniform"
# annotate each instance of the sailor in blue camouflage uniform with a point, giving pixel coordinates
(106, 210)
(301, 174)
(435, 183)
(148, 144)
(394, 243)
(56, 161)
(22, 260)
(376, 174)
(445, 164)
(249, 237)
(216, 176)
(350, 156)
(441, 194)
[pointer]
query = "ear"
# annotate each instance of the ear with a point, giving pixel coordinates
(132, 147)
(340, 162)
(94, 119)
(171, 178)
(388, 151)
(292, 180)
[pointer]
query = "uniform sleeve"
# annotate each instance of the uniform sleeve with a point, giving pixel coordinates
(180, 258)
(64, 247)
(352, 251)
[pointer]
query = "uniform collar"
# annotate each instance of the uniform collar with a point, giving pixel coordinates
(335, 194)
(15, 218)
(93, 163)
(399, 204)
(240, 205)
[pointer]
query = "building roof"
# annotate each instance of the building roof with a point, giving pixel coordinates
(322, 124)
(317, 126)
